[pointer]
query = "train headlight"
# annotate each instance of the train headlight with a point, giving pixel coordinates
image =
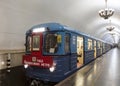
(53, 67)
(26, 66)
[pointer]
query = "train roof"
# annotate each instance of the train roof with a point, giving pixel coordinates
(60, 27)
(51, 26)
(57, 27)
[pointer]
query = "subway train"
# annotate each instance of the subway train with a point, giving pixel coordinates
(55, 51)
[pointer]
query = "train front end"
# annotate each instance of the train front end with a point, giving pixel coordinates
(34, 45)
(43, 49)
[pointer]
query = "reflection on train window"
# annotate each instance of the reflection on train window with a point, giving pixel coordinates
(36, 42)
(67, 43)
(51, 45)
(103, 45)
(28, 44)
(94, 43)
(98, 43)
(90, 46)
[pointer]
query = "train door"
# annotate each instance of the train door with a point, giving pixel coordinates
(94, 49)
(80, 52)
(67, 48)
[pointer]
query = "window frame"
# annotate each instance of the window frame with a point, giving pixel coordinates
(28, 48)
(67, 50)
(37, 42)
(90, 44)
(98, 44)
(51, 50)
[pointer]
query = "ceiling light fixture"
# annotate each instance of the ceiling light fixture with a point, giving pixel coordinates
(110, 27)
(106, 13)
(112, 34)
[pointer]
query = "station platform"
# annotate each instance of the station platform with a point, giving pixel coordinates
(104, 71)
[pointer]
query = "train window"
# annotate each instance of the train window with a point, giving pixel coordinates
(50, 45)
(103, 45)
(36, 42)
(94, 43)
(90, 46)
(67, 43)
(98, 45)
(28, 44)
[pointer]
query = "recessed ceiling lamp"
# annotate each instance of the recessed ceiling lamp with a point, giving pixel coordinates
(110, 27)
(106, 13)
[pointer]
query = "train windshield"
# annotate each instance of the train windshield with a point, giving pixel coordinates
(36, 42)
(50, 43)
(32, 43)
(28, 43)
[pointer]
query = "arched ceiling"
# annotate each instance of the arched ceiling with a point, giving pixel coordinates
(17, 16)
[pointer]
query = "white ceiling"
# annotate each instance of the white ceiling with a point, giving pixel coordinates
(17, 16)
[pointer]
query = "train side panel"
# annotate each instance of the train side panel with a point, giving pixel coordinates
(88, 49)
(99, 52)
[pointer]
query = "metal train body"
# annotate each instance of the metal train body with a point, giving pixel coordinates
(54, 51)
